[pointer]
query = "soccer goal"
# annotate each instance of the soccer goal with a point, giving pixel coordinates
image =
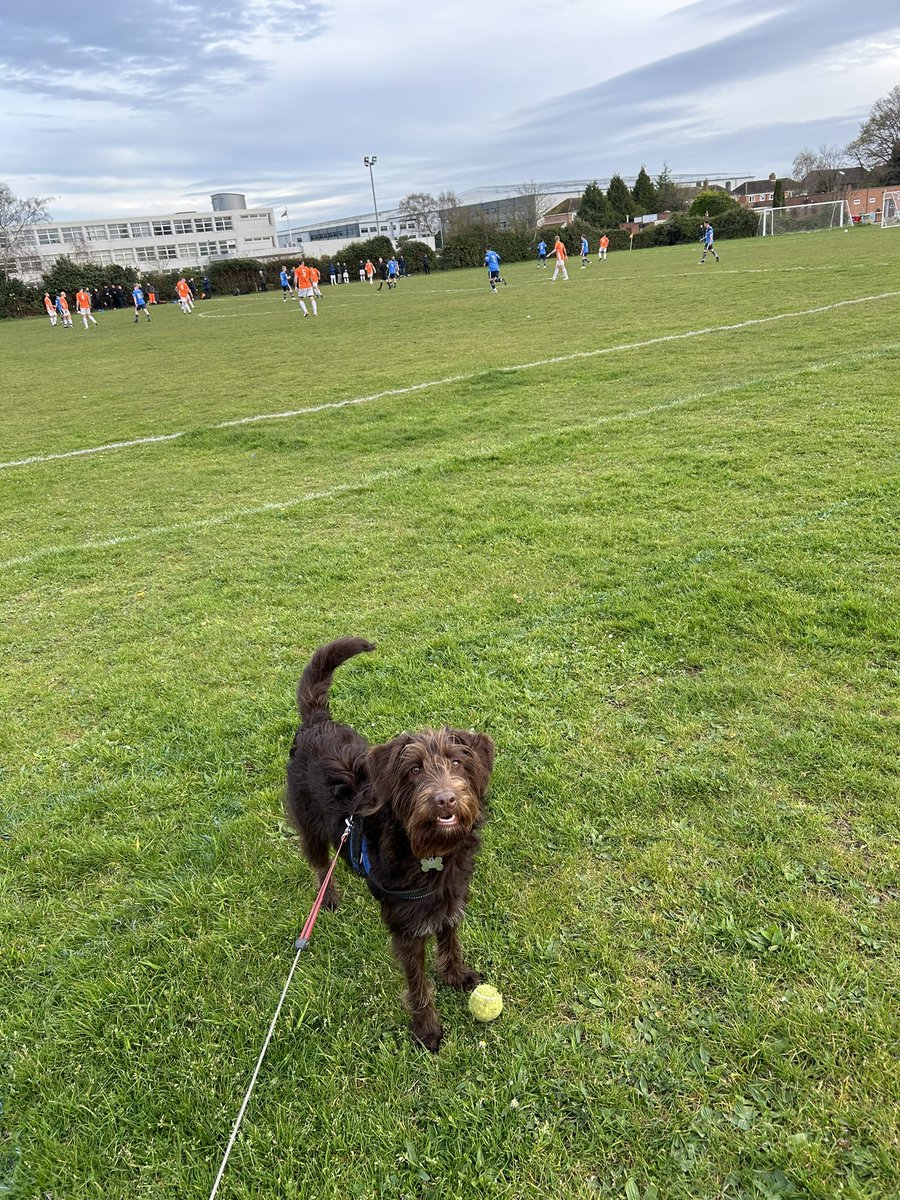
(890, 210)
(804, 218)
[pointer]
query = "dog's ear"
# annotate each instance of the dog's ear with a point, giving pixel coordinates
(482, 750)
(381, 764)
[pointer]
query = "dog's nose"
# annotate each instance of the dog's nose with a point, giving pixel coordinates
(445, 800)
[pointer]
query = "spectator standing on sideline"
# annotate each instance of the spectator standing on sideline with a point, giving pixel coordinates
(345, 274)
(362, 271)
(708, 237)
(192, 286)
(401, 263)
(559, 252)
(51, 309)
(332, 274)
(262, 284)
(542, 254)
(602, 248)
(426, 265)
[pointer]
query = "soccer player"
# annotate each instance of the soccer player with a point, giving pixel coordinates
(542, 254)
(602, 248)
(393, 270)
(83, 305)
(185, 299)
(62, 307)
(304, 283)
(707, 236)
(315, 277)
(285, 281)
(140, 304)
(560, 254)
(585, 251)
(492, 262)
(362, 271)
(51, 309)
(370, 271)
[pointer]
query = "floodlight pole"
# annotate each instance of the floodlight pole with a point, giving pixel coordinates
(370, 160)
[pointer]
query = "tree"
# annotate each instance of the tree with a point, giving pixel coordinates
(422, 208)
(532, 201)
(447, 203)
(890, 172)
(668, 194)
(712, 203)
(17, 221)
(778, 195)
(645, 197)
(826, 162)
(875, 143)
(621, 201)
(594, 209)
(804, 162)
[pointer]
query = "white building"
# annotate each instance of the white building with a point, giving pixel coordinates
(331, 237)
(175, 240)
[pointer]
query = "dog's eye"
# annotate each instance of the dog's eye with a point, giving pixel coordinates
(416, 769)
(454, 762)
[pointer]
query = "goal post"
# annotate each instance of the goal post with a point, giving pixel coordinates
(890, 210)
(804, 218)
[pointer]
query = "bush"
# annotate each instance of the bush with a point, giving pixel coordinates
(373, 248)
(712, 202)
(65, 275)
(19, 299)
(414, 252)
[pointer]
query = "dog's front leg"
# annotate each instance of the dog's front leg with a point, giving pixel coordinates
(449, 963)
(426, 1024)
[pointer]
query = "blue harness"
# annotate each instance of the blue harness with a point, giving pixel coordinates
(360, 860)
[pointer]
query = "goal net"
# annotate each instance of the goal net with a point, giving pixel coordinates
(890, 210)
(803, 218)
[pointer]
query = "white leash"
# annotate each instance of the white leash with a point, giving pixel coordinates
(262, 1055)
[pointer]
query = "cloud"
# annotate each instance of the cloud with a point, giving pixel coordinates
(140, 56)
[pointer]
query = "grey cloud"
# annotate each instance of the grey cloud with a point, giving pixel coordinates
(147, 56)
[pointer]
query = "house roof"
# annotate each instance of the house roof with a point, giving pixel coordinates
(827, 180)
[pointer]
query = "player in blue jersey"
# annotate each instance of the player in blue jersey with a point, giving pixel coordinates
(140, 303)
(492, 262)
(542, 254)
(707, 236)
(585, 251)
(285, 281)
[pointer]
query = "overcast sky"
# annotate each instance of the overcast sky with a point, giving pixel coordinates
(116, 108)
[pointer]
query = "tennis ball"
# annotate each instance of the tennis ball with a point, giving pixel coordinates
(485, 1003)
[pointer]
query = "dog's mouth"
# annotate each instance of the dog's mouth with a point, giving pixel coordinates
(448, 822)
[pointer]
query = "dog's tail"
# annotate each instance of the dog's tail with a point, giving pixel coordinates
(315, 682)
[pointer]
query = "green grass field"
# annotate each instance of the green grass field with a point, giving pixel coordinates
(642, 529)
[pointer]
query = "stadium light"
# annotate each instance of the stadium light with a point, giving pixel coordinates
(370, 160)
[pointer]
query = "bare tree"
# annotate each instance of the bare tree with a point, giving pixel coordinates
(531, 202)
(830, 161)
(803, 163)
(879, 133)
(17, 221)
(422, 208)
(447, 204)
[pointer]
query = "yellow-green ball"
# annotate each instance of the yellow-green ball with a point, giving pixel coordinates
(485, 1003)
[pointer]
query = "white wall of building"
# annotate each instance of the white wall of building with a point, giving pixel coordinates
(168, 242)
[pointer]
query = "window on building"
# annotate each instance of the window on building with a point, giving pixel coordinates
(140, 229)
(183, 226)
(48, 237)
(27, 266)
(119, 231)
(72, 236)
(104, 257)
(125, 258)
(856, 201)
(146, 254)
(223, 224)
(162, 228)
(203, 224)
(187, 250)
(95, 233)
(167, 252)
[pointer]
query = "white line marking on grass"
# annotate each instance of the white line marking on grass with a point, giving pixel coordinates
(574, 356)
(485, 453)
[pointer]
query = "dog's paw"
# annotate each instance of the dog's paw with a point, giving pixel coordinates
(332, 899)
(429, 1034)
(464, 979)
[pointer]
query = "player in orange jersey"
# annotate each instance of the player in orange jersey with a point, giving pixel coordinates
(51, 308)
(185, 299)
(315, 277)
(370, 271)
(560, 251)
(62, 307)
(304, 284)
(602, 248)
(83, 305)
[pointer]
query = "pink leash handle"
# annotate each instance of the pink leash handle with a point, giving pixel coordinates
(306, 932)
